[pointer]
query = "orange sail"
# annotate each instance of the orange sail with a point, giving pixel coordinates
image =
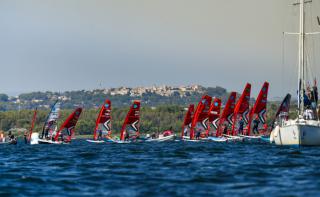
(214, 114)
(241, 111)
(259, 110)
(131, 125)
(226, 117)
(103, 122)
(187, 121)
(200, 119)
(69, 125)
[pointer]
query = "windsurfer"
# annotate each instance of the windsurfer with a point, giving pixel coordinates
(127, 136)
(2, 138)
(198, 134)
(25, 137)
(241, 124)
(62, 137)
(225, 129)
(99, 135)
(255, 128)
(12, 139)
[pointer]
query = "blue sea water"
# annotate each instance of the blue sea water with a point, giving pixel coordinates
(159, 169)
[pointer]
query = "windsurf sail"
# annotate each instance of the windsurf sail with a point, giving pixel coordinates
(225, 121)
(103, 122)
(258, 113)
(200, 119)
(68, 126)
(187, 121)
(241, 111)
(283, 111)
(214, 114)
(131, 126)
(32, 124)
(50, 125)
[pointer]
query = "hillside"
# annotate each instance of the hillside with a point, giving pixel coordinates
(120, 97)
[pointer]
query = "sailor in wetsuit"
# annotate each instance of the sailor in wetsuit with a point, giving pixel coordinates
(12, 139)
(255, 128)
(198, 134)
(25, 137)
(225, 130)
(127, 136)
(241, 124)
(99, 135)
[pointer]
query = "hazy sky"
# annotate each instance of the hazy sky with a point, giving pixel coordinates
(62, 45)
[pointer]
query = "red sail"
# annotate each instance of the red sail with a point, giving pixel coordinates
(200, 118)
(32, 124)
(226, 116)
(258, 112)
(103, 122)
(214, 114)
(241, 110)
(187, 121)
(69, 125)
(132, 120)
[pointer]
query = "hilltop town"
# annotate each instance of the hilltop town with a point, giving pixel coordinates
(121, 96)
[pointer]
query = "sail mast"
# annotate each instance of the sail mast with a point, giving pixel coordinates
(301, 59)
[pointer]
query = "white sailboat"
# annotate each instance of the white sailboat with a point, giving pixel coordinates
(300, 131)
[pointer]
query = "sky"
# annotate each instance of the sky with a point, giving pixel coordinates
(58, 45)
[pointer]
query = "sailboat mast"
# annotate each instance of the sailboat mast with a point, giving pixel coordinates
(301, 68)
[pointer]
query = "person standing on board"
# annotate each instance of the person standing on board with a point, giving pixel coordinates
(198, 134)
(2, 139)
(99, 135)
(255, 128)
(185, 132)
(225, 130)
(241, 124)
(127, 136)
(25, 137)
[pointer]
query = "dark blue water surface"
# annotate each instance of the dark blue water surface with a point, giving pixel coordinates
(159, 169)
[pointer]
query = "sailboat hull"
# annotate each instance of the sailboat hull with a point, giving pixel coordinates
(305, 133)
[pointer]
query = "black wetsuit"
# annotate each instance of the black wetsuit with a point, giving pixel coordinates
(127, 137)
(255, 128)
(100, 135)
(241, 124)
(198, 135)
(25, 138)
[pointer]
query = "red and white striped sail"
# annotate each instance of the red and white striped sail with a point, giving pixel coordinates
(187, 121)
(241, 111)
(103, 122)
(131, 125)
(259, 110)
(69, 125)
(200, 118)
(214, 115)
(226, 116)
